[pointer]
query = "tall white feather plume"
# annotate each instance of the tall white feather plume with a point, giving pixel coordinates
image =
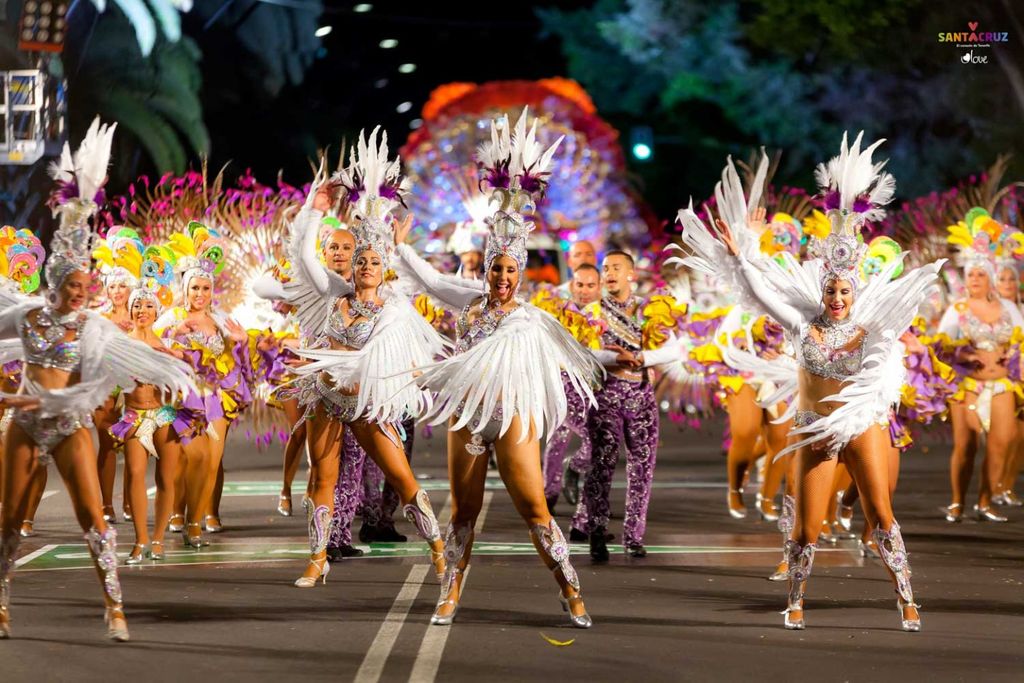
(63, 169)
(852, 183)
(93, 158)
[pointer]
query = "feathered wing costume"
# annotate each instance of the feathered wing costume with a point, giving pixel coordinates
(109, 359)
(505, 364)
(401, 340)
(791, 292)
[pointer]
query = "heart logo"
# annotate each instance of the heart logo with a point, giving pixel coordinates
(973, 25)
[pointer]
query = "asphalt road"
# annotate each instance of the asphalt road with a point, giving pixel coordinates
(698, 608)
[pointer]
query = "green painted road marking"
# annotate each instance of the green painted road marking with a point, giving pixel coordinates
(273, 487)
(76, 555)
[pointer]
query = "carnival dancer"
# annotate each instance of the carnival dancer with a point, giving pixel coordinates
(73, 361)
(375, 336)
(585, 288)
(117, 284)
(217, 349)
(626, 413)
(846, 338)
(1008, 288)
(21, 261)
(150, 424)
(976, 334)
(503, 387)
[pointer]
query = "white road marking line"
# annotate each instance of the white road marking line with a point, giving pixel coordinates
(428, 659)
(377, 656)
(49, 492)
(33, 555)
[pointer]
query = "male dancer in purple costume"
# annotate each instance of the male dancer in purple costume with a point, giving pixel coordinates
(585, 288)
(626, 414)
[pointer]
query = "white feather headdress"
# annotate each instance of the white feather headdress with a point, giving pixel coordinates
(80, 179)
(374, 188)
(514, 168)
(854, 190)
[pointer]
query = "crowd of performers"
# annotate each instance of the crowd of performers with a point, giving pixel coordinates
(826, 353)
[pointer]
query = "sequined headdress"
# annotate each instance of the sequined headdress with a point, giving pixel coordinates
(854, 190)
(80, 179)
(199, 252)
(21, 258)
(984, 243)
(514, 168)
(374, 187)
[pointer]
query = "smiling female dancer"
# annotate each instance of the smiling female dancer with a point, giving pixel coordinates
(73, 361)
(851, 362)
(503, 387)
(374, 337)
(976, 335)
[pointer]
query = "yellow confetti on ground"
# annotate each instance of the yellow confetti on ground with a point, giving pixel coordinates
(557, 643)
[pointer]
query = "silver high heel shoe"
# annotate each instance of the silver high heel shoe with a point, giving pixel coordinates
(176, 524)
(733, 512)
(318, 520)
(954, 513)
(155, 554)
(765, 516)
(117, 626)
(212, 524)
(28, 528)
(134, 559)
(446, 620)
(910, 625)
(196, 541)
(801, 561)
(323, 566)
(986, 515)
(581, 621)
(789, 621)
(284, 506)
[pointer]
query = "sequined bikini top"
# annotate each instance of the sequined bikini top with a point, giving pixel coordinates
(469, 334)
(45, 346)
(355, 335)
(986, 336)
(832, 357)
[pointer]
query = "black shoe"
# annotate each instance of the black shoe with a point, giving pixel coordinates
(350, 551)
(636, 551)
(389, 535)
(598, 545)
(571, 486)
(367, 533)
(334, 554)
(551, 504)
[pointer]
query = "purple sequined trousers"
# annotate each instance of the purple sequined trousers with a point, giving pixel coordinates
(379, 504)
(348, 491)
(626, 414)
(555, 450)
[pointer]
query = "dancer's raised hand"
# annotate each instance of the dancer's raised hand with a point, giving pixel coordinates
(756, 220)
(403, 228)
(725, 234)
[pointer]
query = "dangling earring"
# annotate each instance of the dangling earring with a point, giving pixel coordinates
(53, 298)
